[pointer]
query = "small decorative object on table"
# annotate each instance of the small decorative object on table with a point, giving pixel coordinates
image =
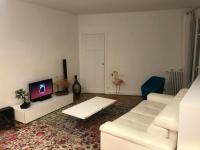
(62, 87)
(76, 88)
(23, 95)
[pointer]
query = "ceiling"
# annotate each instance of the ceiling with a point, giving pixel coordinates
(110, 6)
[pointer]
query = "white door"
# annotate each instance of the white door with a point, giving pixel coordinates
(94, 70)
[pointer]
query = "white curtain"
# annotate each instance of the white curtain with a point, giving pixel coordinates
(188, 46)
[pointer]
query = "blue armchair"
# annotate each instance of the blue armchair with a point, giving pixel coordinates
(154, 84)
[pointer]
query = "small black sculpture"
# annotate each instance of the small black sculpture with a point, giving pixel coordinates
(76, 88)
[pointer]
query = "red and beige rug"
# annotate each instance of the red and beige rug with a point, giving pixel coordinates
(59, 131)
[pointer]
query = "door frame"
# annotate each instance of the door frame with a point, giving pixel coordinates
(83, 49)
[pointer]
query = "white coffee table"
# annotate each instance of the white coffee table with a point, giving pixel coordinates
(88, 108)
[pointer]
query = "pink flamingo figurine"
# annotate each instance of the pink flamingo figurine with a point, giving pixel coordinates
(116, 81)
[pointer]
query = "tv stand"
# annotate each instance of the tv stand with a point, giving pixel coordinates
(41, 108)
(42, 98)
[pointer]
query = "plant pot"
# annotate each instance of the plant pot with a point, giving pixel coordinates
(76, 88)
(25, 105)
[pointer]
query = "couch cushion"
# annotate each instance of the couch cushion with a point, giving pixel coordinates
(154, 105)
(158, 131)
(168, 117)
(130, 124)
(160, 98)
(135, 120)
(148, 108)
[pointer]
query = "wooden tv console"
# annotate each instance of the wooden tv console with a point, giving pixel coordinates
(41, 108)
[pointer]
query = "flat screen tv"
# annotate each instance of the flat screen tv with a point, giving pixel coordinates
(41, 90)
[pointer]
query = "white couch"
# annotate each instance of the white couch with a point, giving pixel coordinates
(151, 125)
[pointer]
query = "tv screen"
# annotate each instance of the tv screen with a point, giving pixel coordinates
(41, 90)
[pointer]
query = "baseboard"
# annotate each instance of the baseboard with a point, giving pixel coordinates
(112, 92)
(93, 90)
(124, 92)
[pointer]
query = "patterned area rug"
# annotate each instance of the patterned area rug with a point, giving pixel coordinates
(59, 131)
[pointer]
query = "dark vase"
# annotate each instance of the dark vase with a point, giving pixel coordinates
(76, 88)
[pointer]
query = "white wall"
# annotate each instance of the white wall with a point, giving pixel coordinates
(33, 42)
(138, 45)
(189, 120)
(198, 12)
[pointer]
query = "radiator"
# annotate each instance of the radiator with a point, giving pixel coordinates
(174, 81)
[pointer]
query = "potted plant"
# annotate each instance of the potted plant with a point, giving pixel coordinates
(23, 95)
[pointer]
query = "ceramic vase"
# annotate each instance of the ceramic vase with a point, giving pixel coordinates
(76, 88)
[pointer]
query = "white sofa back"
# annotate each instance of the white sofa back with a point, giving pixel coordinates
(189, 119)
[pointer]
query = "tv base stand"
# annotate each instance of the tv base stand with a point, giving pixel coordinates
(41, 108)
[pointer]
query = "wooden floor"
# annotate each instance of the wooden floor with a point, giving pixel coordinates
(121, 99)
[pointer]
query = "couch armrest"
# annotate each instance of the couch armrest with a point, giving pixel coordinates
(138, 137)
(161, 98)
